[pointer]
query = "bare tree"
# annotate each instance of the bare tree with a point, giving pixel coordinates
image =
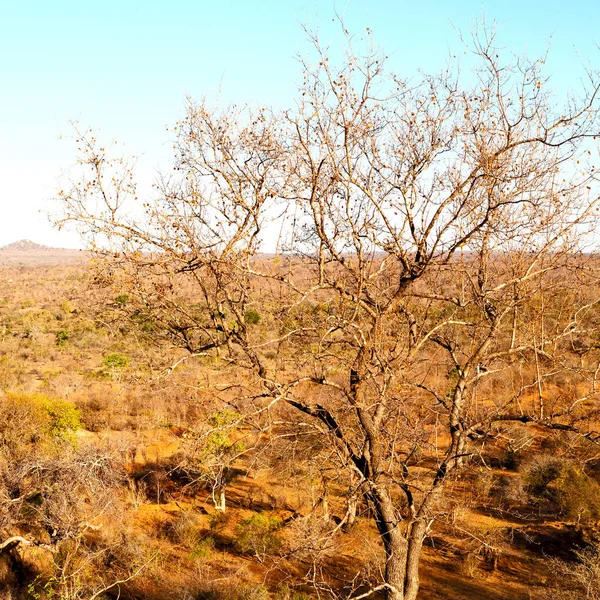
(431, 278)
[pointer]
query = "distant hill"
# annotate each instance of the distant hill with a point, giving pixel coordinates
(26, 252)
(26, 246)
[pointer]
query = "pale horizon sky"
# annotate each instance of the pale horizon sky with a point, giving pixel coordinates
(125, 67)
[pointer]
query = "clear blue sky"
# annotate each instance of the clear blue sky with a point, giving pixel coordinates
(124, 67)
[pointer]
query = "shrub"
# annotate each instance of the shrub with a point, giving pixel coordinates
(62, 337)
(209, 590)
(223, 418)
(64, 418)
(116, 361)
(209, 455)
(186, 529)
(67, 307)
(122, 300)
(217, 521)
(563, 486)
(36, 322)
(28, 420)
(579, 579)
(468, 565)
(218, 442)
(258, 535)
(252, 317)
(285, 593)
(203, 548)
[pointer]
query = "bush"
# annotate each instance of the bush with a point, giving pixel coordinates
(36, 322)
(562, 485)
(64, 418)
(122, 299)
(217, 520)
(62, 337)
(116, 362)
(67, 307)
(203, 548)
(218, 442)
(258, 535)
(209, 455)
(579, 579)
(468, 565)
(186, 529)
(218, 591)
(252, 317)
(285, 593)
(28, 420)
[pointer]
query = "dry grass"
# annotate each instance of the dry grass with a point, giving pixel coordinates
(489, 543)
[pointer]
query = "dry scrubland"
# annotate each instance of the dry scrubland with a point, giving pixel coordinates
(400, 403)
(114, 469)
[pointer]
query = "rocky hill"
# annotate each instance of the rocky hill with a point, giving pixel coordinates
(26, 246)
(26, 252)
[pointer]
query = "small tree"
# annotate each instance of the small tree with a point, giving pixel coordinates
(209, 455)
(116, 363)
(443, 226)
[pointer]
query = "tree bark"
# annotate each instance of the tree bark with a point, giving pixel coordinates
(351, 512)
(394, 543)
(402, 547)
(219, 498)
(415, 545)
(395, 565)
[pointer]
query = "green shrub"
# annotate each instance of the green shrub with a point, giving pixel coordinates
(116, 362)
(320, 307)
(65, 418)
(122, 300)
(28, 421)
(223, 418)
(62, 337)
(203, 548)
(563, 486)
(252, 317)
(36, 322)
(258, 535)
(218, 443)
(67, 307)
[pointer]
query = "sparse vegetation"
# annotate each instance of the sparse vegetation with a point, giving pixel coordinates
(287, 496)
(411, 380)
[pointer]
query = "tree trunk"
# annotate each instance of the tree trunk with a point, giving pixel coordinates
(395, 565)
(402, 552)
(219, 498)
(415, 545)
(325, 508)
(351, 512)
(394, 543)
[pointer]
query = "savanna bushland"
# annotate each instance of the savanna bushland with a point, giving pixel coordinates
(345, 350)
